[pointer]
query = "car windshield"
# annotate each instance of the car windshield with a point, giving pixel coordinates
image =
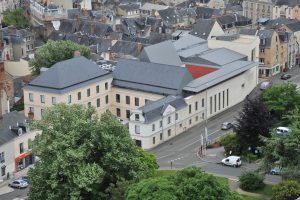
(21, 181)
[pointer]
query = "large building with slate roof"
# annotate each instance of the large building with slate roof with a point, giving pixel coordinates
(157, 100)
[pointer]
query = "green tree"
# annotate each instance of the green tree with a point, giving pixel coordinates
(187, 184)
(251, 181)
(56, 51)
(15, 18)
(286, 190)
(84, 156)
(255, 120)
(230, 144)
(281, 99)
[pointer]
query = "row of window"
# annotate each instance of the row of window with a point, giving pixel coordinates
(118, 113)
(21, 146)
(127, 99)
(88, 94)
(216, 99)
(196, 106)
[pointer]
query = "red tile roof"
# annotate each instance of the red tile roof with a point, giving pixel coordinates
(198, 71)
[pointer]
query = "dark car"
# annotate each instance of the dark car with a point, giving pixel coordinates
(286, 76)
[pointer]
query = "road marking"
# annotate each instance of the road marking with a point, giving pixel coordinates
(176, 159)
(165, 156)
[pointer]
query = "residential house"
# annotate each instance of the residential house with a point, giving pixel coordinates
(91, 88)
(254, 9)
(232, 23)
(272, 52)
(219, 4)
(295, 29)
(150, 9)
(244, 44)
(189, 16)
(171, 19)
(287, 9)
(15, 144)
(207, 28)
(234, 8)
(82, 4)
(128, 10)
(292, 48)
(207, 13)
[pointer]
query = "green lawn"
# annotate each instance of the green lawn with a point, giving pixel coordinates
(267, 190)
(249, 198)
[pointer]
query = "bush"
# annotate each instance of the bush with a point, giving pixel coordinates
(251, 181)
(286, 190)
(291, 173)
(250, 157)
(230, 143)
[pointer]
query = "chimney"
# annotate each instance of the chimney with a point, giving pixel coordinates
(77, 54)
(12, 30)
(139, 48)
(92, 30)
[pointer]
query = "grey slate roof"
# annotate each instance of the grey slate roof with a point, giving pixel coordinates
(163, 53)
(67, 75)
(274, 23)
(10, 119)
(265, 35)
(170, 16)
(202, 28)
(127, 48)
(207, 13)
(151, 77)
(187, 41)
(130, 6)
(226, 72)
(294, 26)
(236, 19)
(153, 110)
(290, 3)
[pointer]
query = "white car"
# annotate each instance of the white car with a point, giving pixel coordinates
(18, 184)
(234, 161)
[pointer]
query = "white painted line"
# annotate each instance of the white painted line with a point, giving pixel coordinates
(165, 156)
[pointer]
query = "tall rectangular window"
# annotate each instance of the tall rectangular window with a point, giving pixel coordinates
(153, 140)
(106, 86)
(160, 136)
(30, 97)
(137, 117)
(98, 102)
(219, 101)
(137, 129)
(97, 89)
(160, 123)
(176, 116)
(53, 100)
(42, 98)
(136, 101)
(106, 99)
(153, 127)
(2, 157)
(202, 102)
(88, 92)
(190, 109)
(169, 132)
(79, 95)
(227, 97)
(223, 99)
(89, 104)
(210, 103)
(69, 99)
(29, 143)
(169, 120)
(196, 105)
(127, 114)
(128, 100)
(118, 111)
(31, 109)
(42, 112)
(118, 98)
(21, 147)
(215, 98)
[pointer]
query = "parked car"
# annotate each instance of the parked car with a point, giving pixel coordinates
(286, 76)
(275, 171)
(24, 178)
(282, 131)
(234, 161)
(265, 85)
(226, 126)
(18, 184)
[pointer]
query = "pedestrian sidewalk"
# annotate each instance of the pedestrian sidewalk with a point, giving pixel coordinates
(4, 188)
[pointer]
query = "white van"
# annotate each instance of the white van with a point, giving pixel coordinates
(265, 85)
(281, 131)
(234, 161)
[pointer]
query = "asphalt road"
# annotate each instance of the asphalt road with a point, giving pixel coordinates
(182, 149)
(17, 194)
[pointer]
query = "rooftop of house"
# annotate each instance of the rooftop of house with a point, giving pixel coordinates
(274, 23)
(127, 48)
(57, 78)
(202, 28)
(236, 38)
(234, 7)
(265, 35)
(11, 125)
(151, 7)
(163, 53)
(170, 16)
(237, 19)
(294, 26)
(207, 13)
(226, 72)
(153, 110)
(130, 6)
(151, 77)
(290, 3)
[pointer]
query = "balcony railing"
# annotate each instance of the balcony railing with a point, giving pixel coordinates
(46, 14)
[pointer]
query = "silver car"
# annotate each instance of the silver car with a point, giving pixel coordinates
(226, 126)
(18, 184)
